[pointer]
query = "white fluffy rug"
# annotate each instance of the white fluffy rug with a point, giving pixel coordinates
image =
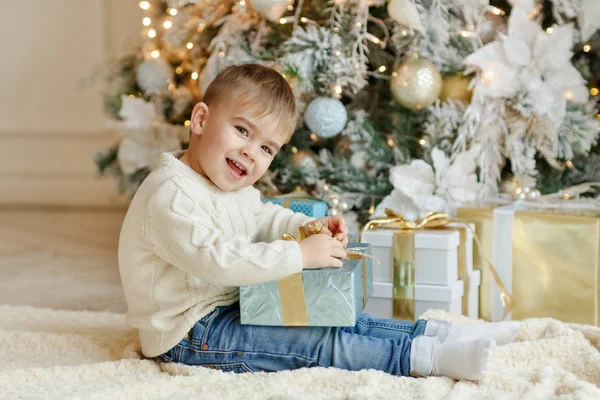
(54, 354)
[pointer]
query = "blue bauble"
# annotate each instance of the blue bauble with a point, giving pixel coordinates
(326, 116)
(154, 74)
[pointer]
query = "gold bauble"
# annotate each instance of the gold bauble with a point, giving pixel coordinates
(416, 83)
(455, 87)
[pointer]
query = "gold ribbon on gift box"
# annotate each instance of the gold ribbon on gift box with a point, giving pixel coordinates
(291, 288)
(403, 248)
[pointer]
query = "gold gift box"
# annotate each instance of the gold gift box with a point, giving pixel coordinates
(548, 258)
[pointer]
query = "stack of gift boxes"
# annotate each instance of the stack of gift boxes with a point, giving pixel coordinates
(443, 272)
(548, 258)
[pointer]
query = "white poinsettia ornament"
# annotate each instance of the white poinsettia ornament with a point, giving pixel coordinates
(532, 61)
(144, 139)
(420, 188)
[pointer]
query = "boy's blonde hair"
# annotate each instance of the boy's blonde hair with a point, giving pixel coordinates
(263, 89)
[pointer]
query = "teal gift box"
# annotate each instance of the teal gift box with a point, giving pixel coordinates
(311, 207)
(318, 297)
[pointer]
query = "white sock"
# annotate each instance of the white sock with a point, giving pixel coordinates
(467, 360)
(502, 333)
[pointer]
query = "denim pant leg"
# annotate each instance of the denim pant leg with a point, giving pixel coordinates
(370, 325)
(219, 341)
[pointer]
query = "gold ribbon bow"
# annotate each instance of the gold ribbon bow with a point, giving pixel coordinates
(403, 248)
(291, 288)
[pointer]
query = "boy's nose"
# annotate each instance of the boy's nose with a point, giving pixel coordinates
(249, 152)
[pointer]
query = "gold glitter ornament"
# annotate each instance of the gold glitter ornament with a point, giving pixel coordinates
(455, 87)
(416, 83)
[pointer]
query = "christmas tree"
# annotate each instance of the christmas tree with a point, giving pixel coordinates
(414, 104)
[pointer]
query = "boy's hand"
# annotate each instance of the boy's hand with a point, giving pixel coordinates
(321, 251)
(335, 227)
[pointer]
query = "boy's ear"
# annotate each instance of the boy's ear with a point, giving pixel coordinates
(199, 114)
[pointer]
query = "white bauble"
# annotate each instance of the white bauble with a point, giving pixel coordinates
(405, 12)
(272, 9)
(154, 74)
(326, 116)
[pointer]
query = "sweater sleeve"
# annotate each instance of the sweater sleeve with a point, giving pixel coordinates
(273, 220)
(181, 232)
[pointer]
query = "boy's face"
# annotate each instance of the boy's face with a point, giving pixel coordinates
(232, 147)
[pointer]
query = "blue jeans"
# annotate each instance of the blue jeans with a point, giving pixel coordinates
(219, 341)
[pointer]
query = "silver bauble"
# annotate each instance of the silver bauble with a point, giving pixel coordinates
(326, 116)
(534, 194)
(154, 74)
(416, 83)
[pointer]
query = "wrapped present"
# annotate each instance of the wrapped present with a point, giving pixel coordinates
(548, 256)
(440, 297)
(436, 251)
(300, 201)
(319, 297)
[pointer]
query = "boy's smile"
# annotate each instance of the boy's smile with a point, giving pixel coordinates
(231, 146)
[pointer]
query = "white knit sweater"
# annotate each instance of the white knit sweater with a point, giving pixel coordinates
(186, 246)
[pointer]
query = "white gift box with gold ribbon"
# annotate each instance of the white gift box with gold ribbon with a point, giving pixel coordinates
(438, 297)
(436, 255)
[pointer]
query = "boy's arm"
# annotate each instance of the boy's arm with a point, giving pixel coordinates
(273, 220)
(181, 232)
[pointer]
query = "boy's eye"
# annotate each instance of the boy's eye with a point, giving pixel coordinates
(242, 130)
(267, 149)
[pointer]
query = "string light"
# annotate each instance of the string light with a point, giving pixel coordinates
(285, 20)
(242, 3)
(155, 54)
(304, 20)
(338, 53)
(290, 8)
(404, 32)
(167, 24)
(569, 164)
(587, 48)
(221, 54)
(549, 30)
(594, 91)
(173, 11)
(358, 24)
(189, 45)
(468, 34)
(338, 89)
(194, 75)
(496, 10)
(144, 5)
(314, 137)
(131, 96)
(179, 70)
(382, 68)
(146, 21)
(390, 141)
(201, 27)
(568, 94)
(294, 150)
(187, 122)
(151, 33)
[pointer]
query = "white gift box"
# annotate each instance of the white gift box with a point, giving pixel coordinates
(441, 297)
(436, 255)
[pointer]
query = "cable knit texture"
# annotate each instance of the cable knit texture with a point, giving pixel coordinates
(186, 247)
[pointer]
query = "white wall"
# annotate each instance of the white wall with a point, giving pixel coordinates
(51, 116)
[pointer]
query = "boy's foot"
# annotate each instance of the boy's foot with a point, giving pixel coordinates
(463, 360)
(502, 333)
